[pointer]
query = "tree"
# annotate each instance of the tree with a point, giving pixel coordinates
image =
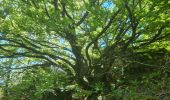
(82, 38)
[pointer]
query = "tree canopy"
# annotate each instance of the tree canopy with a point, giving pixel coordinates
(89, 44)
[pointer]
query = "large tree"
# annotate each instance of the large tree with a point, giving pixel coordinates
(86, 39)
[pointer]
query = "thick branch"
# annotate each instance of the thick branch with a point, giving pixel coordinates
(100, 34)
(36, 51)
(56, 5)
(133, 24)
(82, 19)
(156, 37)
(65, 11)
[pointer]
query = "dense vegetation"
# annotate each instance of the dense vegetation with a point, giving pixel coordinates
(85, 49)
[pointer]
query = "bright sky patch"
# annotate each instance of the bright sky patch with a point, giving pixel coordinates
(108, 4)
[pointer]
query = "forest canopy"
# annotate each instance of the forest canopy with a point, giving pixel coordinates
(77, 49)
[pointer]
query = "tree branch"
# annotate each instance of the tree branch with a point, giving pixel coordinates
(82, 19)
(100, 34)
(156, 37)
(46, 10)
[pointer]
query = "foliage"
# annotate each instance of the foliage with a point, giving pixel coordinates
(84, 48)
